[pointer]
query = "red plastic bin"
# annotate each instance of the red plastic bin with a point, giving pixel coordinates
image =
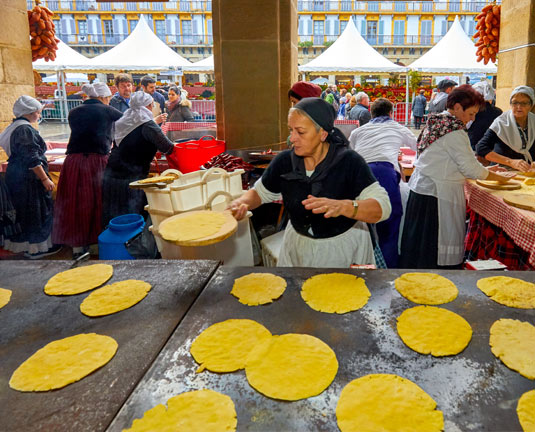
(190, 155)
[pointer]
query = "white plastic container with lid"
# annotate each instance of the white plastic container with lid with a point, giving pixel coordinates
(234, 186)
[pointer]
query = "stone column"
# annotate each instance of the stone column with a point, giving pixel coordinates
(255, 59)
(16, 76)
(516, 60)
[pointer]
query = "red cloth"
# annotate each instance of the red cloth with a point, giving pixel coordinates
(485, 241)
(306, 89)
(78, 208)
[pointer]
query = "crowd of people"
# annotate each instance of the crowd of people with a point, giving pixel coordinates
(342, 194)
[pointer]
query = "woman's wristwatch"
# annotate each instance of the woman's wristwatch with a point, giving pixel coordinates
(355, 208)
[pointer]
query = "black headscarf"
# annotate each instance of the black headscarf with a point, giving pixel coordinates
(323, 113)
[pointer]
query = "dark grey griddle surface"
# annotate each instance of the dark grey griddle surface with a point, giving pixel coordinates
(474, 389)
(32, 319)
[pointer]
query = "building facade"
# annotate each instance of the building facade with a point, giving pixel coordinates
(400, 30)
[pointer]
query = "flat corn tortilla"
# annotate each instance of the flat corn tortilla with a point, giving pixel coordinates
(291, 367)
(335, 292)
(258, 288)
(157, 179)
(387, 403)
(200, 225)
(435, 331)
(63, 362)
(509, 291)
(201, 410)
(224, 346)
(79, 279)
(426, 288)
(114, 297)
(526, 411)
(5, 296)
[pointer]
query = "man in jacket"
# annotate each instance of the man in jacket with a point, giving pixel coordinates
(360, 111)
(444, 87)
(148, 85)
(121, 99)
(418, 109)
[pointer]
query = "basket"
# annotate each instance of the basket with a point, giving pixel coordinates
(190, 155)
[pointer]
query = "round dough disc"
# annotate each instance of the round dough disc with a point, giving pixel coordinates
(426, 288)
(291, 366)
(513, 342)
(509, 291)
(258, 288)
(435, 331)
(526, 411)
(114, 298)
(63, 362)
(5, 296)
(79, 279)
(193, 227)
(388, 403)
(335, 292)
(223, 347)
(201, 410)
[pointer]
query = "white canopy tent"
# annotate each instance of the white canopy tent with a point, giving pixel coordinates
(142, 50)
(69, 77)
(203, 66)
(66, 58)
(454, 54)
(350, 53)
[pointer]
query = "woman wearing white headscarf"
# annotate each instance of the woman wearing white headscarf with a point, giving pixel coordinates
(511, 136)
(486, 115)
(28, 183)
(78, 210)
(137, 138)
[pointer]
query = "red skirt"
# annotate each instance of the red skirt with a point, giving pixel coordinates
(78, 207)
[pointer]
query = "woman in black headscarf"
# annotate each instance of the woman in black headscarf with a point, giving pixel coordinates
(328, 190)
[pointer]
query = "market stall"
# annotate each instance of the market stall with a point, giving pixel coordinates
(498, 230)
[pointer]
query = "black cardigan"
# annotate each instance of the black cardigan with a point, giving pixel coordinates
(91, 127)
(490, 142)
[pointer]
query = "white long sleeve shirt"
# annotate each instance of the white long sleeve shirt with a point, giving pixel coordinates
(380, 142)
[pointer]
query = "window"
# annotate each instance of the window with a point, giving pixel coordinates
(319, 32)
(345, 5)
(381, 39)
(400, 6)
(427, 6)
(187, 32)
(157, 6)
(185, 6)
(454, 6)
(133, 24)
(343, 25)
(471, 28)
(425, 32)
(319, 5)
(108, 28)
(159, 29)
(399, 32)
(373, 6)
(131, 6)
(105, 6)
(82, 27)
(371, 32)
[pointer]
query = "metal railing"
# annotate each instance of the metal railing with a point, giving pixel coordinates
(378, 40)
(391, 6)
(118, 6)
(115, 38)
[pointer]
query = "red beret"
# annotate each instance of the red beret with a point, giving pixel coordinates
(306, 89)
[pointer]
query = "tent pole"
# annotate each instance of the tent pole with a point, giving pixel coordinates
(407, 100)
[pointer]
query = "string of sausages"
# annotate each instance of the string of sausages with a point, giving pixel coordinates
(488, 33)
(43, 33)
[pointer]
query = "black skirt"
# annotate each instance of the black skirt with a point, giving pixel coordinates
(419, 241)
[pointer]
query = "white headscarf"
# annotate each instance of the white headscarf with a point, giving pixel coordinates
(97, 89)
(507, 130)
(485, 89)
(134, 116)
(26, 105)
(528, 91)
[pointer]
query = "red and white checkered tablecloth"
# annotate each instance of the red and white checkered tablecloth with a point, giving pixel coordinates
(346, 122)
(517, 223)
(176, 126)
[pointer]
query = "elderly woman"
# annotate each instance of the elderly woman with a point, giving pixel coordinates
(328, 190)
(78, 210)
(360, 110)
(486, 115)
(137, 138)
(434, 228)
(509, 141)
(28, 182)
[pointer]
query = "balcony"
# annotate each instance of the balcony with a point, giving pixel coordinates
(114, 39)
(391, 6)
(378, 41)
(93, 6)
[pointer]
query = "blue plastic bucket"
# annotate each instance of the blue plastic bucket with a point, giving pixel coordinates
(121, 229)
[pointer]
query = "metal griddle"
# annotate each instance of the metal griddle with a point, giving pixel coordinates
(32, 319)
(475, 390)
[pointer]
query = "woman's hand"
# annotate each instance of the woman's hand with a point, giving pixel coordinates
(160, 118)
(48, 184)
(239, 209)
(497, 168)
(329, 207)
(520, 165)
